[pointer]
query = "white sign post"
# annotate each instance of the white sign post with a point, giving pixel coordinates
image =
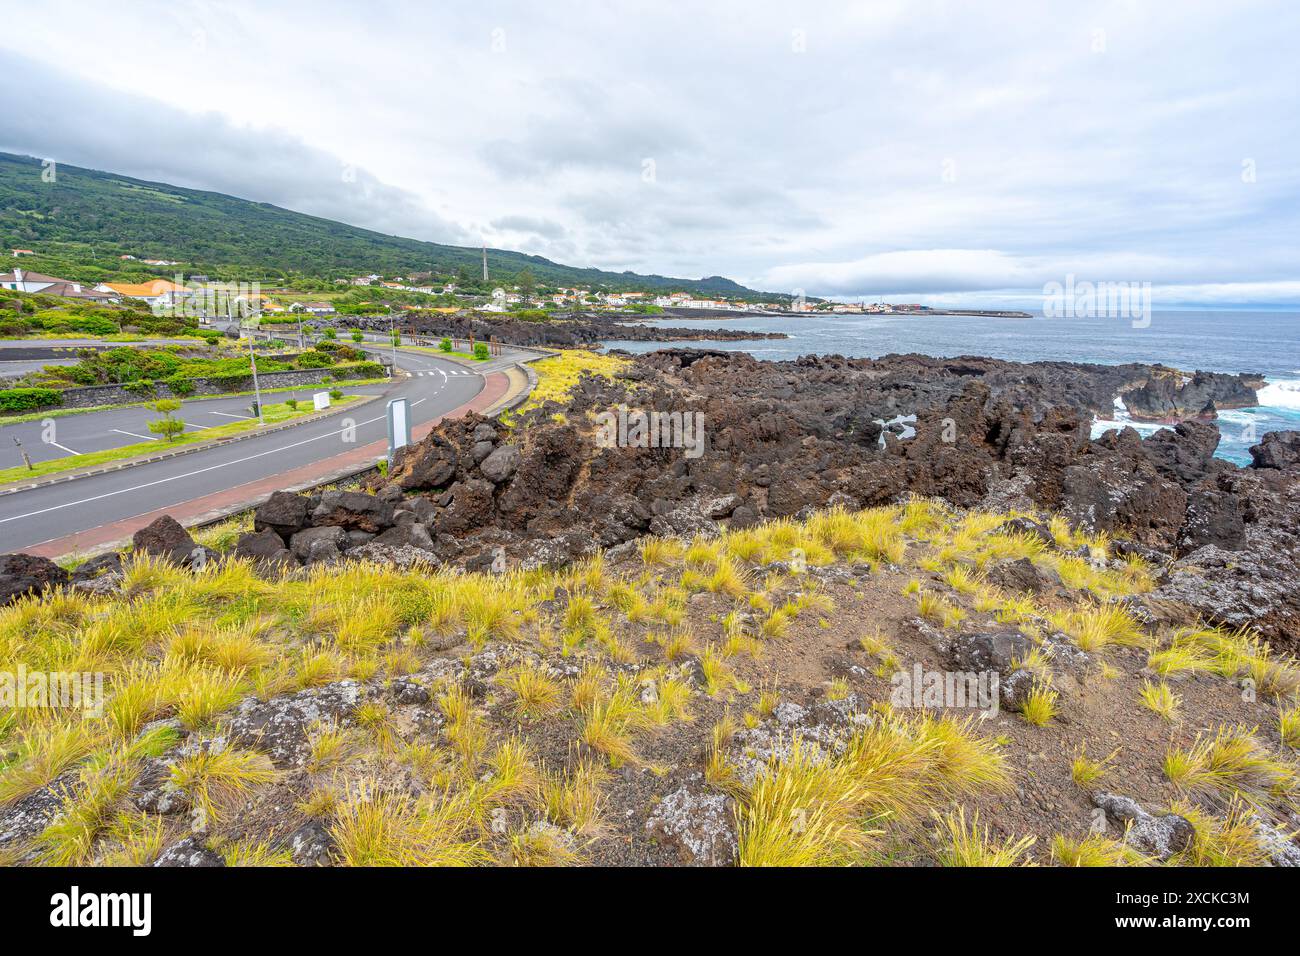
(399, 426)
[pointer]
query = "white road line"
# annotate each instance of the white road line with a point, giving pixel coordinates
(190, 474)
(65, 448)
(232, 415)
(134, 435)
(192, 425)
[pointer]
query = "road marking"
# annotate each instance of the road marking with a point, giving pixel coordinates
(232, 415)
(65, 448)
(134, 435)
(199, 471)
(192, 425)
(190, 474)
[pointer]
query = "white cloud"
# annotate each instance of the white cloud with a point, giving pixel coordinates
(917, 146)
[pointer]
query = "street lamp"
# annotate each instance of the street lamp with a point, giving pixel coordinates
(252, 358)
(392, 338)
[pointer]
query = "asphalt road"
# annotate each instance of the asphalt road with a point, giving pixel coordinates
(112, 428)
(15, 368)
(27, 518)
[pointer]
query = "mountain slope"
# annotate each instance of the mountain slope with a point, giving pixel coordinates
(80, 225)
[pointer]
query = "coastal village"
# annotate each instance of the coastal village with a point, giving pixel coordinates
(162, 293)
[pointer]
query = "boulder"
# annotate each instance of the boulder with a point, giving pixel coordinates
(1276, 450)
(723, 506)
(408, 535)
(1023, 576)
(190, 851)
(165, 538)
(1015, 688)
(1030, 528)
(699, 827)
(470, 508)
(109, 564)
(500, 464)
(1159, 836)
(431, 463)
(990, 650)
(284, 512)
(353, 511)
(281, 727)
(265, 548)
(318, 544)
(23, 574)
(311, 844)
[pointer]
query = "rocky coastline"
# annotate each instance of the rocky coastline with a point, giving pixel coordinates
(782, 438)
(586, 330)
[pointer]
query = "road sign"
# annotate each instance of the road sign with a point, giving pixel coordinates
(399, 426)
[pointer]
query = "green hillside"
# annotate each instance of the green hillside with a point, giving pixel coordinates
(81, 224)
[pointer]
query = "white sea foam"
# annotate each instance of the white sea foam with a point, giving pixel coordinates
(1102, 425)
(1284, 393)
(1237, 416)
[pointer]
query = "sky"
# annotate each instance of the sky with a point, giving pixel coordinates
(945, 153)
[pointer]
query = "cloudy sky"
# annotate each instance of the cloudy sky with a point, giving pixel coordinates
(937, 152)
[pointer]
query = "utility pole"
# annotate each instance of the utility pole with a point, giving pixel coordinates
(485, 272)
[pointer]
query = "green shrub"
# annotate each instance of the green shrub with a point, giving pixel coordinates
(315, 359)
(481, 351)
(362, 370)
(180, 385)
(28, 399)
(336, 394)
(445, 345)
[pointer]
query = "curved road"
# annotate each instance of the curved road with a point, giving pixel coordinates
(30, 518)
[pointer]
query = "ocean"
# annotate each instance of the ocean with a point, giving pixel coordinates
(1215, 341)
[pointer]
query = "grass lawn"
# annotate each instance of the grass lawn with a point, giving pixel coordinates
(274, 414)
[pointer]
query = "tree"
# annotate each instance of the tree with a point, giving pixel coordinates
(167, 426)
(526, 281)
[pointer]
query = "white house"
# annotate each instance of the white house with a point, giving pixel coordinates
(20, 281)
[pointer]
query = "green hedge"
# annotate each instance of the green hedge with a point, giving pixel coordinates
(28, 399)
